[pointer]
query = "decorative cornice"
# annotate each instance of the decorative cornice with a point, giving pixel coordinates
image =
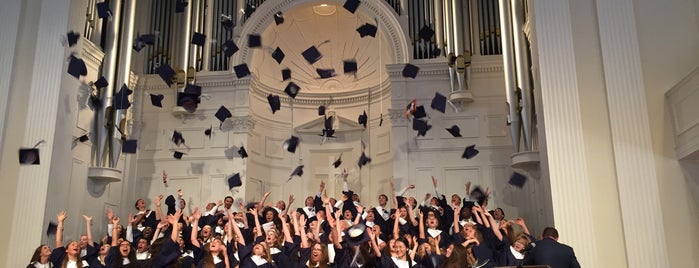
(261, 91)
(90, 52)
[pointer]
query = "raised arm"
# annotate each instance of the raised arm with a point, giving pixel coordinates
(298, 225)
(415, 245)
(115, 234)
(238, 235)
(457, 224)
(411, 214)
(257, 222)
(493, 226)
(173, 219)
(88, 230)
(262, 204)
(129, 227)
(195, 224)
(285, 229)
(245, 218)
(60, 218)
(421, 229)
(360, 211)
(405, 189)
(372, 241)
(157, 201)
(288, 206)
(338, 230)
(396, 223)
(520, 221)
(159, 227)
(436, 191)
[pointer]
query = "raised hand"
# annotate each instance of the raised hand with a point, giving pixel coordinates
(87, 218)
(165, 178)
(179, 193)
(219, 203)
(371, 234)
(158, 200)
(291, 199)
(434, 182)
(132, 219)
(110, 214)
(162, 224)
(360, 209)
(468, 187)
(253, 211)
(115, 221)
(411, 186)
(61, 216)
(196, 213)
(302, 220)
(427, 196)
(322, 186)
(345, 174)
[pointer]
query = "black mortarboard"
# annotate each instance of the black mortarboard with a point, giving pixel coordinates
(410, 71)
(439, 102)
(400, 201)
(170, 202)
(426, 33)
(52, 228)
(292, 89)
(477, 195)
(177, 138)
(129, 146)
(421, 126)
(180, 5)
(517, 180)
(166, 73)
(470, 152)
(242, 152)
(278, 18)
(274, 103)
(249, 9)
(234, 181)
(101, 82)
(227, 22)
(328, 130)
(83, 138)
(72, 38)
(177, 155)
(141, 41)
(121, 99)
(286, 74)
(198, 39)
(291, 144)
(350, 66)
(321, 110)
(338, 162)
(356, 235)
(381, 120)
(312, 55)
(420, 112)
(298, 171)
(188, 101)
(77, 67)
(254, 41)
(455, 131)
(223, 113)
(207, 132)
(103, 10)
(367, 29)
(230, 48)
(29, 156)
(278, 55)
(362, 120)
(363, 160)
(325, 73)
(351, 5)
(157, 100)
(241, 70)
(192, 89)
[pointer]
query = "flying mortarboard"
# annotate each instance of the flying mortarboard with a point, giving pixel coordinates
(410, 71)
(421, 126)
(517, 180)
(426, 33)
(298, 171)
(72, 38)
(321, 110)
(350, 66)
(274, 103)
(351, 5)
(254, 41)
(470, 152)
(278, 18)
(227, 22)
(478, 195)
(362, 119)
(292, 89)
(29, 156)
(234, 181)
(278, 55)
(177, 138)
(83, 138)
(223, 113)
(286, 74)
(198, 39)
(101, 82)
(291, 144)
(180, 5)
(249, 9)
(455, 131)
(129, 146)
(207, 132)
(242, 152)
(166, 73)
(312, 55)
(363, 160)
(76, 67)
(121, 99)
(241, 70)
(229, 48)
(439, 102)
(420, 112)
(188, 101)
(338, 162)
(325, 73)
(51, 229)
(367, 29)
(157, 100)
(103, 10)
(192, 89)
(177, 155)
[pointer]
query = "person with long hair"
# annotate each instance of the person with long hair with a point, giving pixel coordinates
(256, 254)
(68, 256)
(40, 258)
(121, 254)
(402, 258)
(314, 254)
(211, 254)
(457, 256)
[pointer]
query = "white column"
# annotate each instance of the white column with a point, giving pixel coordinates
(9, 17)
(570, 190)
(208, 25)
(633, 149)
(49, 69)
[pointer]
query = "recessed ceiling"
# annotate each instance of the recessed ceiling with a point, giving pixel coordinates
(332, 30)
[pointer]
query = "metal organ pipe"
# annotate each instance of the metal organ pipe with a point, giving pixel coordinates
(109, 67)
(522, 64)
(509, 70)
(123, 76)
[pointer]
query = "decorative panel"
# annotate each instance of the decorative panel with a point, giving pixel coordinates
(273, 147)
(497, 125)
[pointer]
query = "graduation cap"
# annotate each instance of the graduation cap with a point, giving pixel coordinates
(363, 160)
(166, 73)
(410, 70)
(298, 171)
(338, 162)
(180, 5)
(328, 130)
(177, 155)
(351, 5)
(254, 41)
(312, 55)
(143, 40)
(188, 101)
(286, 74)
(292, 89)
(321, 110)
(121, 99)
(455, 131)
(249, 9)
(356, 235)
(76, 67)
(350, 66)
(420, 112)
(207, 132)
(478, 195)
(177, 138)
(192, 89)
(381, 120)
(234, 181)
(52, 228)
(362, 120)
(325, 73)
(367, 29)
(198, 39)
(426, 33)
(278, 18)
(470, 152)
(291, 144)
(241, 70)
(421, 126)
(101, 82)
(274, 102)
(129, 146)
(229, 48)
(227, 22)
(72, 38)
(157, 100)
(439, 102)
(278, 55)
(83, 138)
(223, 113)
(103, 10)
(29, 156)
(242, 152)
(517, 180)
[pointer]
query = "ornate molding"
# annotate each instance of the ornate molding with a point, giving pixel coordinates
(261, 91)
(90, 53)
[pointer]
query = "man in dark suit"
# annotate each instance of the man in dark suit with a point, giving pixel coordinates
(549, 252)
